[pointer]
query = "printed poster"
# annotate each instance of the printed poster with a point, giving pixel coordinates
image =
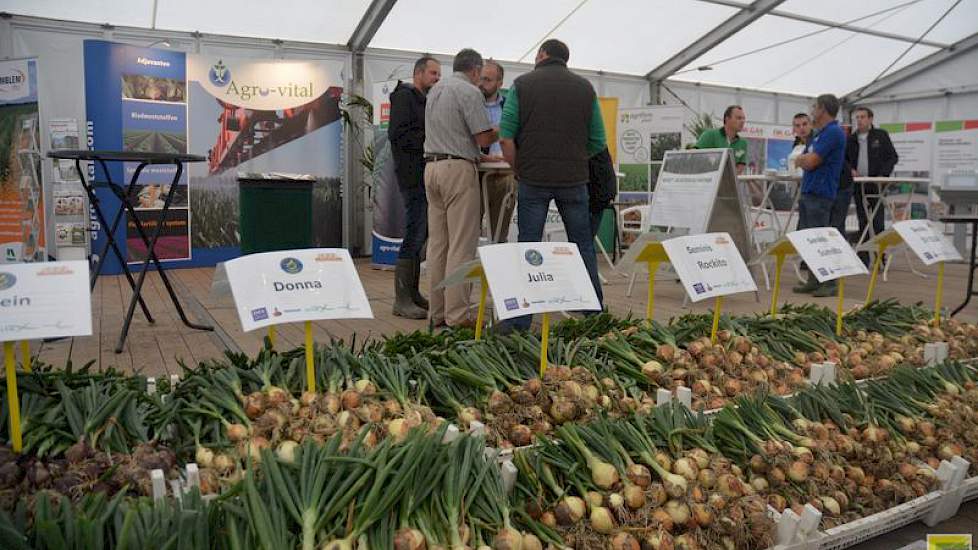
(21, 194)
(644, 136)
(955, 145)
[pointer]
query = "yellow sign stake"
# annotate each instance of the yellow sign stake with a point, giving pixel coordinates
(778, 266)
(271, 335)
(940, 294)
(544, 344)
(876, 270)
(25, 354)
(650, 305)
(12, 398)
(481, 317)
(310, 360)
(717, 306)
(838, 314)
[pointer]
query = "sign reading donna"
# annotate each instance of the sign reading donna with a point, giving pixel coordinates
(709, 265)
(296, 285)
(44, 300)
(263, 85)
(827, 253)
(527, 278)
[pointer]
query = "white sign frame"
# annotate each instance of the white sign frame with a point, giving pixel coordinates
(693, 256)
(927, 241)
(45, 300)
(827, 253)
(560, 281)
(324, 275)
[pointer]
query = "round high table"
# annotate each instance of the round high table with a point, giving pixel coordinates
(486, 169)
(125, 196)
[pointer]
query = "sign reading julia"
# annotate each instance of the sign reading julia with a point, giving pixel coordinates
(296, 285)
(527, 278)
(44, 300)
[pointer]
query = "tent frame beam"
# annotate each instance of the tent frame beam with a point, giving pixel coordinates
(716, 36)
(933, 60)
(374, 16)
(835, 25)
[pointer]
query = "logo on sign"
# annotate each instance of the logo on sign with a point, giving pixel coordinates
(291, 265)
(13, 81)
(7, 280)
(721, 240)
(259, 314)
(562, 251)
(928, 256)
(823, 272)
(329, 257)
(511, 304)
(533, 257)
(699, 288)
(219, 74)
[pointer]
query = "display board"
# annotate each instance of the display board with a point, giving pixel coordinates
(927, 241)
(44, 300)
(709, 265)
(698, 193)
(528, 278)
(828, 254)
(243, 115)
(768, 147)
(289, 286)
(387, 204)
(22, 233)
(644, 136)
(955, 146)
(913, 142)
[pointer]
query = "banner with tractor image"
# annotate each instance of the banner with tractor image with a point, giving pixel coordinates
(243, 115)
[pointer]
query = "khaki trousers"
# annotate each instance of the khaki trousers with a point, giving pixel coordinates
(497, 187)
(454, 204)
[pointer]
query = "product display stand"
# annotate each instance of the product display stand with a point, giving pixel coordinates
(124, 194)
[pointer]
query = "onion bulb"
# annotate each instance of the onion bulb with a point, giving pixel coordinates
(507, 538)
(601, 520)
(652, 370)
(660, 540)
(798, 471)
(409, 539)
(634, 497)
(831, 505)
(286, 451)
(237, 432)
(204, 457)
(702, 515)
(570, 510)
(639, 475)
(531, 542)
(398, 429)
(624, 541)
(223, 463)
(594, 498)
(686, 468)
(678, 511)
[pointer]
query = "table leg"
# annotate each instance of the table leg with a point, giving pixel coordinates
(151, 257)
(971, 269)
(485, 221)
(110, 237)
(504, 206)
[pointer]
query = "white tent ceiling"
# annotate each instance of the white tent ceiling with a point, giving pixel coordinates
(797, 47)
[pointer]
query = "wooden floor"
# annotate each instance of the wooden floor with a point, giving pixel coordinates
(159, 349)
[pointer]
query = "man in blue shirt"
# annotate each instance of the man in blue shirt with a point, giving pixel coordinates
(822, 163)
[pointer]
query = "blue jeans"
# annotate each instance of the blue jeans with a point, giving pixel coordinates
(533, 204)
(415, 222)
(840, 210)
(814, 211)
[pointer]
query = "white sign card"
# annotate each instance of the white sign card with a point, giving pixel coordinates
(827, 253)
(709, 265)
(687, 188)
(927, 241)
(44, 300)
(528, 278)
(289, 286)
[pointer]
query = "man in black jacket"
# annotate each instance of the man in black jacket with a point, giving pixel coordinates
(406, 134)
(869, 152)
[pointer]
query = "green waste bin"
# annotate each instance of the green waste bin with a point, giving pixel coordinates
(275, 212)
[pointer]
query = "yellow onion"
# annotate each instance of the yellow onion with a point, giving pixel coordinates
(678, 511)
(634, 496)
(594, 498)
(660, 540)
(507, 538)
(624, 541)
(409, 539)
(531, 542)
(570, 510)
(639, 475)
(237, 432)
(601, 520)
(223, 463)
(204, 457)
(286, 451)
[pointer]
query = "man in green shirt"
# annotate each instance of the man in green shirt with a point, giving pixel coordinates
(727, 137)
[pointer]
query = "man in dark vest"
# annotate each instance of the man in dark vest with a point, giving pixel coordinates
(551, 126)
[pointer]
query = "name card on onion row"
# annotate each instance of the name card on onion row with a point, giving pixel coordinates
(44, 300)
(290, 286)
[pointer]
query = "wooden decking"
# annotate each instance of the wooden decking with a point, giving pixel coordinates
(158, 349)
